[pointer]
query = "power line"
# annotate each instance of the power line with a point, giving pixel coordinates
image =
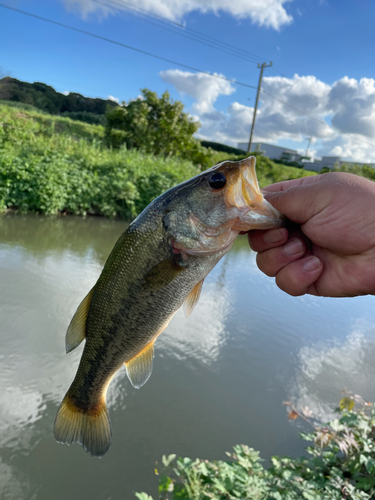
(124, 6)
(189, 33)
(150, 20)
(292, 107)
(115, 42)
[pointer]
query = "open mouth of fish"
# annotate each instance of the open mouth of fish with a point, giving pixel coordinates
(243, 194)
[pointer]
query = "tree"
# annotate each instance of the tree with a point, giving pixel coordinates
(155, 124)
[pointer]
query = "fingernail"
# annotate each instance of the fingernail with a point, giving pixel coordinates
(311, 264)
(293, 247)
(273, 236)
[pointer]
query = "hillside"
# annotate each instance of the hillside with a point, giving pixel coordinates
(52, 165)
(45, 98)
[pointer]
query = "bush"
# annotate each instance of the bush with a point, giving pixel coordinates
(340, 465)
(45, 167)
(362, 170)
(157, 125)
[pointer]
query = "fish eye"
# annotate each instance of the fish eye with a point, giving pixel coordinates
(217, 180)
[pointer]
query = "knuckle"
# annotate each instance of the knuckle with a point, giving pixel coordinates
(265, 265)
(289, 282)
(255, 240)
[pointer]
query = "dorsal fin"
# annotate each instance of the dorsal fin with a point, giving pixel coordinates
(192, 299)
(77, 329)
(139, 368)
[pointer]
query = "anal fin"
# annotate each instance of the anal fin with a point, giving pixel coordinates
(139, 368)
(192, 299)
(77, 328)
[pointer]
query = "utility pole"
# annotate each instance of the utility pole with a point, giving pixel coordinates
(261, 66)
(308, 144)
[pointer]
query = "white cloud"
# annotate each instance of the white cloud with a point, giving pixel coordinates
(115, 99)
(340, 116)
(86, 7)
(205, 89)
(268, 13)
(65, 92)
(329, 367)
(353, 104)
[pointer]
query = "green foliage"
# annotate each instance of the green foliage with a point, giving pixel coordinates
(217, 146)
(363, 171)
(289, 163)
(157, 125)
(50, 165)
(85, 116)
(340, 465)
(58, 165)
(46, 98)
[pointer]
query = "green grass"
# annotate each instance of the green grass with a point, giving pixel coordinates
(52, 165)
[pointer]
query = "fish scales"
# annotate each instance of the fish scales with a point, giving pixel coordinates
(126, 326)
(158, 263)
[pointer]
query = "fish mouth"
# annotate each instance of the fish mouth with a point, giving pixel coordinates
(243, 194)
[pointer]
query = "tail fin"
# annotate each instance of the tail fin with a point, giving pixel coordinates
(91, 429)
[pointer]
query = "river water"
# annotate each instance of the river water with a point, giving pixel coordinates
(219, 377)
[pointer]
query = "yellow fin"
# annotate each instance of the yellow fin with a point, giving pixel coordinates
(90, 428)
(192, 299)
(77, 329)
(140, 367)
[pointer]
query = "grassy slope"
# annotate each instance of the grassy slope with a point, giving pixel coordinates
(50, 164)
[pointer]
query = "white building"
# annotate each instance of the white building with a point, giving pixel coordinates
(327, 161)
(271, 151)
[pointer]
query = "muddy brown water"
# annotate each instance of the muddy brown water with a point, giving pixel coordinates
(219, 377)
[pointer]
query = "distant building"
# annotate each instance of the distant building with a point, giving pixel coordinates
(271, 151)
(327, 161)
(331, 162)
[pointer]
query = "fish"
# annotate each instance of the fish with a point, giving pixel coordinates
(158, 264)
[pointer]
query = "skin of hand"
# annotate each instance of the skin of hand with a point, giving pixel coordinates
(329, 249)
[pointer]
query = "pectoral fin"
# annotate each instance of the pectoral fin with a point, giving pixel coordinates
(77, 329)
(140, 367)
(192, 299)
(163, 273)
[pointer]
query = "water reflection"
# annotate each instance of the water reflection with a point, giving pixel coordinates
(330, 367)
(14, 485)
(200, 337)
(219, 377)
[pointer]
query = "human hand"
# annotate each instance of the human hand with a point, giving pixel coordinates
(331, 250)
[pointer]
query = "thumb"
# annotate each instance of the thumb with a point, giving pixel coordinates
(298, 203)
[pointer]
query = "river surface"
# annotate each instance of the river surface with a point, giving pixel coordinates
(219, 379)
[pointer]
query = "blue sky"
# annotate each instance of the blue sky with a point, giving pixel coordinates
(323, 54)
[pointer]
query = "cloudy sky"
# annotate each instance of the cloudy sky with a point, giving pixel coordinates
(322, 83)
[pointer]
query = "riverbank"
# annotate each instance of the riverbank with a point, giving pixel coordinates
(54, 165)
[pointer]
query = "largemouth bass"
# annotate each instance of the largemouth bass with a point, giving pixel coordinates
(158, 264)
